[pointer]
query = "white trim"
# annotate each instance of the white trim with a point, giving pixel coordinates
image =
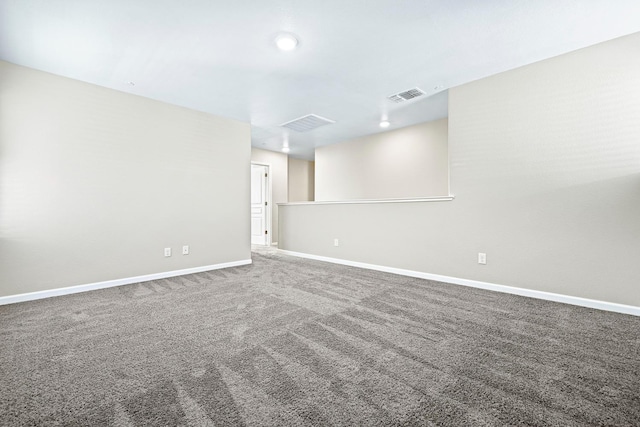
(566, 299)
(274, 243)
(368, 201)
(117, 282)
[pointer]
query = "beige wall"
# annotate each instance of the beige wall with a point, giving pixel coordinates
(545, 166)
(301, 180)
(403, 163)
(94, 183)
(279, 182)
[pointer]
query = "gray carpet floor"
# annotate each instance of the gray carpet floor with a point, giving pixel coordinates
(294, 342)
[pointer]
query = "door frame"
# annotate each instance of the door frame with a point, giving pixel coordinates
(269, 204)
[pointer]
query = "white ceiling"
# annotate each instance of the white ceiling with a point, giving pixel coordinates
(219, 56)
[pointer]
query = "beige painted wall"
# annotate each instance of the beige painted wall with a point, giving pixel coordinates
(545, 166)
(403, 163)
(279, 182)
(94, 183)
(301, 180)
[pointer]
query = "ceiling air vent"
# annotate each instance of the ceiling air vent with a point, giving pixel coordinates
(307, 123)
(406, 95)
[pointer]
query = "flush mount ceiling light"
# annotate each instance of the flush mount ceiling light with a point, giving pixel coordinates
(286, 42)
(285, 149)
(385, 124)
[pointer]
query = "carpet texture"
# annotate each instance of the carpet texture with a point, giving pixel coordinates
(294, 342)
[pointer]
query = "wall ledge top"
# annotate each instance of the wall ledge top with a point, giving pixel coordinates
(368, 201)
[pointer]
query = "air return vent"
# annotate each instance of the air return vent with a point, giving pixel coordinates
(307, 123)
(406, 95)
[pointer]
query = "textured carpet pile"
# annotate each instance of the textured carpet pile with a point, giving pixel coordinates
(293, 342)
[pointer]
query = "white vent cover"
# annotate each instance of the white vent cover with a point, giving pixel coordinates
(406, 95)
(307, 123)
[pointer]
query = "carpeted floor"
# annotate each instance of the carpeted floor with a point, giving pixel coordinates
(293, 342)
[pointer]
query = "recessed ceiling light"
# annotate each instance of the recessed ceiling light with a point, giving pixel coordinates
(385, 124)
(286, 42)
(285, 149)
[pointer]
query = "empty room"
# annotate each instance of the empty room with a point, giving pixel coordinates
(337, 213)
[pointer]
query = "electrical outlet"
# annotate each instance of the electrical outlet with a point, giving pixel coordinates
(482, 258)
(167, 251)
(336, 242)
(185, 250)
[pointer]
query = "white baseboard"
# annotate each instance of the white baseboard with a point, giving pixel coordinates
(274, 243)
(118, 282)
(567, 299)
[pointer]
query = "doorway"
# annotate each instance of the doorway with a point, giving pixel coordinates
(260, 204)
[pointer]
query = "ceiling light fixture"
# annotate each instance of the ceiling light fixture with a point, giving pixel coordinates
(385, 124)
(286, 42)
(285, 149)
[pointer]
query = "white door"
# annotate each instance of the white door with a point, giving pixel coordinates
(259, 229)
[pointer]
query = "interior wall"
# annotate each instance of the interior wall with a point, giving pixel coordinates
(279, 182)
(403, 163)
(95, 183)
(301, 180)
(545, 168)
